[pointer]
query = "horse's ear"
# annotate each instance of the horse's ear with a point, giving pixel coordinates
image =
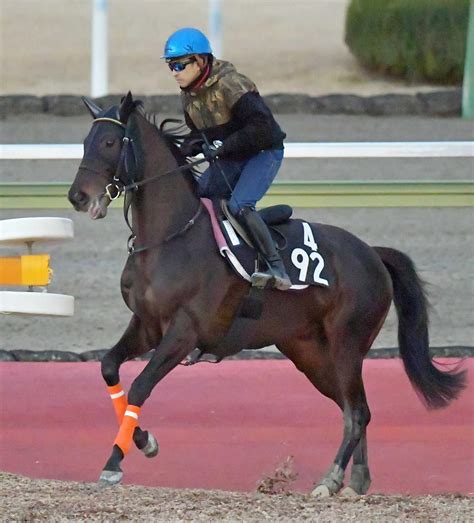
(126, 107)
(94, 109)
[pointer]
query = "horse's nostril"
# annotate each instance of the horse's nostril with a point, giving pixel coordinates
(79, 198)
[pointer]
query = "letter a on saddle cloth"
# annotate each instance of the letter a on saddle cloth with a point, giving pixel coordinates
(297, 241)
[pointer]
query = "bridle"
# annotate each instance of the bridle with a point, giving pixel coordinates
(132, 186)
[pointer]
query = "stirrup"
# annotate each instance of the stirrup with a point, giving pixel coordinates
(262, 280)
(265, 280)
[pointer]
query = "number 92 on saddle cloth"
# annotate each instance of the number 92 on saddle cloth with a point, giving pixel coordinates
(300, 244)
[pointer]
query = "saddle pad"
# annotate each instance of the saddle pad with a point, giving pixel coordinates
(304, 260)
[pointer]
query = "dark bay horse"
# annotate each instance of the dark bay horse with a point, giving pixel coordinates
(183, 295)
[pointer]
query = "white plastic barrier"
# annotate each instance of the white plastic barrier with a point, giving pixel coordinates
(36, 303)
(21, 232)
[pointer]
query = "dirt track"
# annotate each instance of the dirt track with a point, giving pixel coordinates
(27, 499)
(439, 240)
(44, 50)
(284, 47)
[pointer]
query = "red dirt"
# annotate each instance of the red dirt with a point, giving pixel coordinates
(227, 426)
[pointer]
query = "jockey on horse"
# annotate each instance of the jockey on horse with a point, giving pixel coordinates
(229, 120)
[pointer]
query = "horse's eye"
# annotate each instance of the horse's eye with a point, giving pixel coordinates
(109, 143)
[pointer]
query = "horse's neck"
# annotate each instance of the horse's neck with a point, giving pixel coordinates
(163, 205)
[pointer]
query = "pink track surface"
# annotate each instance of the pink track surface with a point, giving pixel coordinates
(225, 426)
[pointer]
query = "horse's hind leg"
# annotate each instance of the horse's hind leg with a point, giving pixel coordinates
(316, 363)
(356, 416)
(360, 473)
(131, 344)
(337, 376)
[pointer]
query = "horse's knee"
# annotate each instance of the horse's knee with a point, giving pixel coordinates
(110, 369)
(139, 391)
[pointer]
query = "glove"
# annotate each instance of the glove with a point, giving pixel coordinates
(191, 147)
(214, 151)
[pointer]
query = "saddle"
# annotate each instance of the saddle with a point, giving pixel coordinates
(274, 215)
(295, 239)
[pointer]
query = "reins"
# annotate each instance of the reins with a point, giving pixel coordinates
(129, 188)
(135, 250)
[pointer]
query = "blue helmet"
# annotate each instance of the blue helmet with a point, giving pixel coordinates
(186, 41)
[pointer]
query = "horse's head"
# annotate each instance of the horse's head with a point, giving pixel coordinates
(102, 148)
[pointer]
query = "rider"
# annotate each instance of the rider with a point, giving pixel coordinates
(227, 108)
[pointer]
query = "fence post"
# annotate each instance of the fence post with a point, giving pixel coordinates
(468, 82)
(215, 26)
(99, 48)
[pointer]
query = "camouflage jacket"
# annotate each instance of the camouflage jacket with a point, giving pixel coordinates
(228, 107)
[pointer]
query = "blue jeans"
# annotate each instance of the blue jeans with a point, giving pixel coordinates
(249, 179)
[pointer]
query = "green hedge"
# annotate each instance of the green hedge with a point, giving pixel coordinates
(413, 39)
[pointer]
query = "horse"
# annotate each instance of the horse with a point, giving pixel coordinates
(183, 295)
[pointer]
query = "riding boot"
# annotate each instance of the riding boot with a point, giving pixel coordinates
(263, 241)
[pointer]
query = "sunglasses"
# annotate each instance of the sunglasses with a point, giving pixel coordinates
(180, 66)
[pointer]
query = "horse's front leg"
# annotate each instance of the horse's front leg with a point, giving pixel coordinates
(133, 343)
(179, 341)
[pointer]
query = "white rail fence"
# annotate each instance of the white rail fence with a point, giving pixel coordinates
(292, 150)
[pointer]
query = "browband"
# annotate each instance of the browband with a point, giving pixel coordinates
(113, 120)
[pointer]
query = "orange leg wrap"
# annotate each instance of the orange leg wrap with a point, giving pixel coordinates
(119, 401)
(125, 433)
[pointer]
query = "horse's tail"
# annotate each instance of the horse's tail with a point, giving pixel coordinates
(437, 388)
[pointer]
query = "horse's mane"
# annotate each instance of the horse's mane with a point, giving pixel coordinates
(173, 136)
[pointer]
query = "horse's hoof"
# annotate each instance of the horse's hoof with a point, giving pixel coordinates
(349, 492)
(110, 477)
(321, 491)
(331, 483)
(152, 448)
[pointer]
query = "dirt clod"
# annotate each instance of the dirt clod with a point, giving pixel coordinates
(280, 480)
